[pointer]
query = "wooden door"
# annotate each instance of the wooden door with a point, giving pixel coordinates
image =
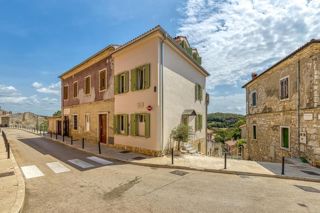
(59, 127)
(66, 126)
(103, 128)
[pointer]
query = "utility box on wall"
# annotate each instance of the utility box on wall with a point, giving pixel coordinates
(303, 137)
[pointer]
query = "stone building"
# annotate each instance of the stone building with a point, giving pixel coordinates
(283, 108)
(131, 96)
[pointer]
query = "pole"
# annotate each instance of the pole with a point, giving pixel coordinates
(99, 147)
(8, 151)
(82, 143)
(71, 140)
(172, 156)
(225, 160)
(282, 171)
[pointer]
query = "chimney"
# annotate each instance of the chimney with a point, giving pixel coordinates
(254, 75)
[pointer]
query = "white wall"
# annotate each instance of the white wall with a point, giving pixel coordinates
(180, 78)
(140, 53)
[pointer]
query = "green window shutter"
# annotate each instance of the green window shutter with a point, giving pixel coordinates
(200, 122)
(126, 80)
(125, 120)
(134, 80)
(196, 92)
(200, 93)
(115, 124)
(147, 76)
(133, 124)
(147, 125)
(196, 123)
(116, 84)
(189, 51)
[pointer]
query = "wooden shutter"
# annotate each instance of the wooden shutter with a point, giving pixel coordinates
(133, 124)
(125, 121)
(146, 76)
(116, 124)
(134, 80)
(102, 78)
(196, 92)
(200, 93)
(147, 124)
(126, 81)
(196, 123)
(200, 122)
(116, 84)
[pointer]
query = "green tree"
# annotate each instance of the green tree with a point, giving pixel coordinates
(57, 113)
(180, 134)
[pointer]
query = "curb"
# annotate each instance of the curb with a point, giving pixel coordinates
(168, 166)
(20, 198)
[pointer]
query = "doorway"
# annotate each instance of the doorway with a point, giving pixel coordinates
(103, 128)
(59, 127)
(66, 126)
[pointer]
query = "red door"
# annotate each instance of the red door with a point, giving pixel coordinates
(103, 128)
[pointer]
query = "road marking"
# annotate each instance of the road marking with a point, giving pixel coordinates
(57, 167)
(81, 163)
(99, 160)
(31, 171)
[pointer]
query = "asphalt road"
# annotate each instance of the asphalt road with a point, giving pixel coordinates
(118, 187)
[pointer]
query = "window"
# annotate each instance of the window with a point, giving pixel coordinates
(121, 124)
(284, 88)
(87, 122)
(285, 137)
(121, 83)
(254, 132)
(198, 92)
(140, 125)
(75, 89)
(87, 86)
(254, 98)
(198, 124)
(65, 92)
(102, 80)
(75, 122)
(140, 78)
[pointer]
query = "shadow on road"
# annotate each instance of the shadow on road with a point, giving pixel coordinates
(64, 153)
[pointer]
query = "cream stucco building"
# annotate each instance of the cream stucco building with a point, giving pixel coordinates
(132, 96)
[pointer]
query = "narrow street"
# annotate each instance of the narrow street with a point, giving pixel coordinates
(63, 179)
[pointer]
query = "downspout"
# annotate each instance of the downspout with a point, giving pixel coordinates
(298, 105)
(206, 133)
(161, 89)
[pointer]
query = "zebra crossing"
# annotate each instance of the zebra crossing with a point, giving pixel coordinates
(32, 171)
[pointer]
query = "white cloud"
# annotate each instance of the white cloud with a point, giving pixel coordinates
(234, 103)
(237, 37)
(51, 89)
(36, 85)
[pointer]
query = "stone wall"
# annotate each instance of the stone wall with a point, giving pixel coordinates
(271, 113)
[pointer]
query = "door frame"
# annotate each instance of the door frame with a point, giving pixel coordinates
(107, 126)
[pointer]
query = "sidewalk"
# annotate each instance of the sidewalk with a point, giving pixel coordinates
(293, 170)
(12, 186)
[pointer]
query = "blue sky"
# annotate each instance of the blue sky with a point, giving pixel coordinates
(40, 39)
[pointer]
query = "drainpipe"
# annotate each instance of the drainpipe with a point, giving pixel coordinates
(161, 89)
(298, 105)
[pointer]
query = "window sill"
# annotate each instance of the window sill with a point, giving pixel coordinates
(284, 148)
(286, 99)
(102, 90)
